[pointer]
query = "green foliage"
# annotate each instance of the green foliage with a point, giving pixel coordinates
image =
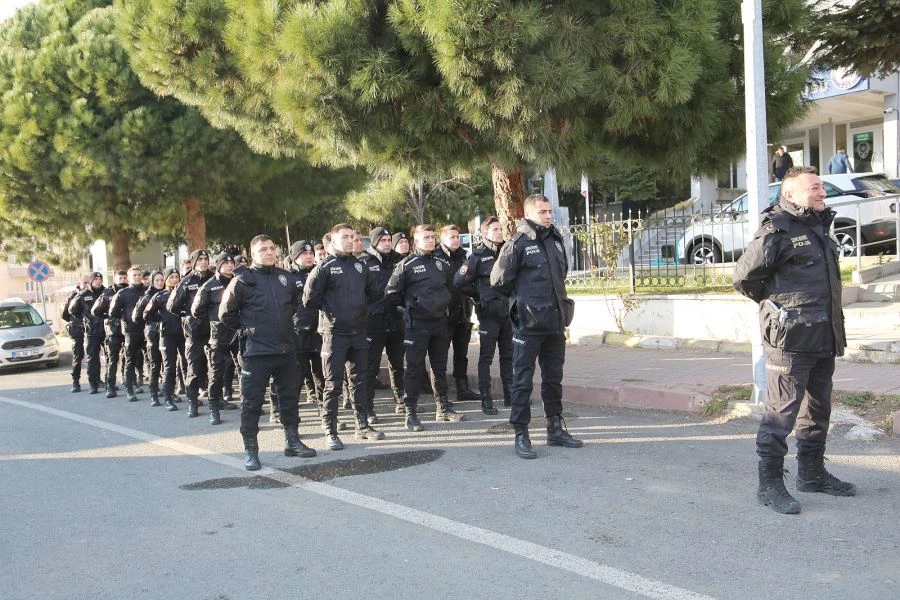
(861, 36)
(431, 86)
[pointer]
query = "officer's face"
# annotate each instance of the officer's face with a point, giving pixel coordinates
(342, 240)
(135, 277)
(357, 243)
(306, 259)
(424, 241)
(121, 279)
(540, 213)
(320, 254)
(384, 244)
(202, 264)
(805, 190)
(159, 281)
(145, 280)
(264, 253)
(172, 280)
(84, 283)
(494, 233)
(450, 240)
(402, 246)
(227, 267)
(97, 282)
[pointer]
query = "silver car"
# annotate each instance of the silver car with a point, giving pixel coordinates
(25, 338)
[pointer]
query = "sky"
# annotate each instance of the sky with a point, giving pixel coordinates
(8, 7)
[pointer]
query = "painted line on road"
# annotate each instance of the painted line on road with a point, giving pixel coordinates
(564, 561)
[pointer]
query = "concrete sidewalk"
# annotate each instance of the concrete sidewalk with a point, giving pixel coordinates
(675, 379)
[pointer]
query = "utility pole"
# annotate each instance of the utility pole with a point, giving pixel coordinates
(757, 156)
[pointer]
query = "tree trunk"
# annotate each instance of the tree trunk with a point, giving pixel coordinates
(509, 196)
(121, 253)
(194, 225)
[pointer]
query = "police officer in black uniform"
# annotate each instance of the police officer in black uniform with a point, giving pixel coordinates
(340, 287)
(82, 308)
(122, 307)
(492, 308)
(196, 331)
(113, 327)
(791, 269)
(385, 328)
(150, 323)
(260, 304)
(306, 323)
(75, 329)
(421, 286)
(531, 269)
(400, 243)
(171, 334)
(459, 319)
(205, 307)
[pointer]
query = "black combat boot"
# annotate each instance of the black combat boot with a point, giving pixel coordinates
(192, 408)
(95, 388)
(251, 453)
(443, 411)
(214, 418)
(292, 444)
(111, 388)
(331, 437)
(226, 405)
(170, 404)
(364, 431)
(76, 387)
(557, 434)
(812, 476)
(487, 403)
(772, 492)
(412, 420)
(523, 442)
(463, 391)
(154, 399)
(129, 392)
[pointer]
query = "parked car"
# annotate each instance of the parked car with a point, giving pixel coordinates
(722, 236)
(25, 338)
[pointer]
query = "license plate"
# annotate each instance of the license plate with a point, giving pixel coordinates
(24, 353)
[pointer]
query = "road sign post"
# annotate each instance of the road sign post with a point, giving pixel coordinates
(39, 272)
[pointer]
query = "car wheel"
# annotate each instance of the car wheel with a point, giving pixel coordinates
(846, 240)
(704, 253)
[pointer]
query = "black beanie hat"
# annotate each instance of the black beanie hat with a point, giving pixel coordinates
(376, 234)
(397, 237)
(299, 247)
(196, 255)
(168, 272)
(223, 258)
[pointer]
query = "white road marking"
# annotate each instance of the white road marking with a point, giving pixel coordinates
(564, 561)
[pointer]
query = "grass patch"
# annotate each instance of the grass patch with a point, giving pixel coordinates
(879, 409)
(723, 396)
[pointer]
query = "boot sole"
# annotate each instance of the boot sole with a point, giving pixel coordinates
(526, 456)
(303, 454)
(811, 487)
(787, 511)
(577, 444)
(253, 467)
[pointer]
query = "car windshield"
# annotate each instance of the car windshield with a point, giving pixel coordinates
(19, 316)
(741, 205)
(877, 183)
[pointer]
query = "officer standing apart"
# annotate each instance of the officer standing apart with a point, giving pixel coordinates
(494, 327)
(260, 303)
(81, 309)
(196, 331)
(75, 329)
(339, 287)
(421, 285)
(205, 308)
(791, 269)
(459, 319)
(531, 269)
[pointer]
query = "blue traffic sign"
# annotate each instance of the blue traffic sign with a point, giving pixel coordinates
(39, 271)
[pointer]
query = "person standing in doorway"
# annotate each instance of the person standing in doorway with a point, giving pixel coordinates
(781, 162)
(839, 163)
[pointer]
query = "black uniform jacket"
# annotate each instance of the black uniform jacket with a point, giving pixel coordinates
(112, 325)
(122, 306)
(205, 307)
(531, 269)
(341, 288)
(80, 309)
(423, 284)
(260, 303)
(460, 309)
(474, 279)
(140, 315)
(181, 299)
(380, 266)
(169, 324)
(791, 269)
(306, 320)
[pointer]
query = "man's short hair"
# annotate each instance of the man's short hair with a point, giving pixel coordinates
(793, 173)
(487, 223)
(534, 199)
(450, 227)
(423, 228)
(841, 149)
(256, 241)
(340, 226)
(121, 273)
(326, 240)
(134, 268)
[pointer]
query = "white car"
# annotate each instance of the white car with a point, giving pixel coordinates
(25, 338)
(722, 236)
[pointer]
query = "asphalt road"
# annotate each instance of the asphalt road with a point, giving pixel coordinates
(106, 499)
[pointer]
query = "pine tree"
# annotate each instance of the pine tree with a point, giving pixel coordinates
(861, 36)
